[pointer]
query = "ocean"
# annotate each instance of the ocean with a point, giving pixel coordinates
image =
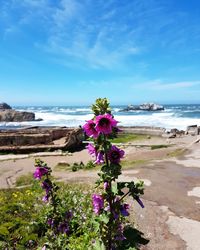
(174, 116)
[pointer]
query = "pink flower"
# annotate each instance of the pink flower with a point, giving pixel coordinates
(106, 185)
(97, 202)
(115, 154)
(90, 130)
(99, 155)
(39, 172)
(45, 198)
(105, 124)
(99, 158)
(91, 149)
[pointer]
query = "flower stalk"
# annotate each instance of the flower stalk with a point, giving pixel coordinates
(111, 215)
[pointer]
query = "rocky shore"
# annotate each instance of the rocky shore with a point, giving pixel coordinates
(7, 114)
(36, 139)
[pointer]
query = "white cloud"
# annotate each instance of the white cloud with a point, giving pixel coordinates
(174, 85)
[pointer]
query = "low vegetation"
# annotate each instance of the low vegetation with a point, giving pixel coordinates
(23, 216)
(129, 137)
(74, 166)
(153, 147)
(177, 152)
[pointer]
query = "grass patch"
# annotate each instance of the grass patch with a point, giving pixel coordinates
(128, 137)
(131, 164)
(25, 180)
(153, 147)
(62, 166)
(74, 166)
(177, 152)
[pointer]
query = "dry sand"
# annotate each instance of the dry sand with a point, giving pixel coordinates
(171, 217)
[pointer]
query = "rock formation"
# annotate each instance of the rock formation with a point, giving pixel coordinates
(193, 130)
(36, 139)
(144, 106)
(4, 106)
(7, 114)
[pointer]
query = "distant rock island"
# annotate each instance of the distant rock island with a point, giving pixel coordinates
(144, 106)
(7, 114)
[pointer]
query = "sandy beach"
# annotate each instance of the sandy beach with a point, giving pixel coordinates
(172, 188)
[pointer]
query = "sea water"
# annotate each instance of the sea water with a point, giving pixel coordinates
(174, 116)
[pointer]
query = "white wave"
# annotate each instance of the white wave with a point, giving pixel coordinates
(167, 122)
(62, 117)
(162, 114)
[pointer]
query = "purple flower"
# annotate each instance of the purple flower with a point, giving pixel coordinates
(124, 209)
(99, 155)
(46, 185)
(50, 222)
(69, 215)
(106, 185)
(120, 236)
(99, 158)
(105, 124)
(139, 201)
(39, 172)
(45, 198)
(91, 149)
(97, 202)
(115, 154)
(90, 130)
(64, 227)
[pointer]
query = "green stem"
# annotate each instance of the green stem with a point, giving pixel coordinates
(124, 196)
(109, 233)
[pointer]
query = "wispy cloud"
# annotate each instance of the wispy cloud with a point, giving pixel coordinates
(101, 34)
(161, 85)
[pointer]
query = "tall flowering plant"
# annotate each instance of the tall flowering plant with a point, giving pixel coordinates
(58, 220)
(109, 206)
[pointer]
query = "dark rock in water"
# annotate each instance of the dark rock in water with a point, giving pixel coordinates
(130, 108)
(4, 106)
(11, 115)
(151, 107)
(144, 107)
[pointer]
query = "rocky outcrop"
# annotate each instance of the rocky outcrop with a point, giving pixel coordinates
(144, 107)
(36, 139)
(193, 130)
(7, 114)
(11, 115)
(4, 106)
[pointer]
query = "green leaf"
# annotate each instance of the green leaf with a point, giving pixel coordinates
(104, 218)
(4, 231)
(114, 188)
(99, 245)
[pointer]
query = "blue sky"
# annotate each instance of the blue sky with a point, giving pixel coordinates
(62, 52)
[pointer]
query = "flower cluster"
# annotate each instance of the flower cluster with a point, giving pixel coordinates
(108, 206)
(103, 124)
(58, 223)
(98, 203)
